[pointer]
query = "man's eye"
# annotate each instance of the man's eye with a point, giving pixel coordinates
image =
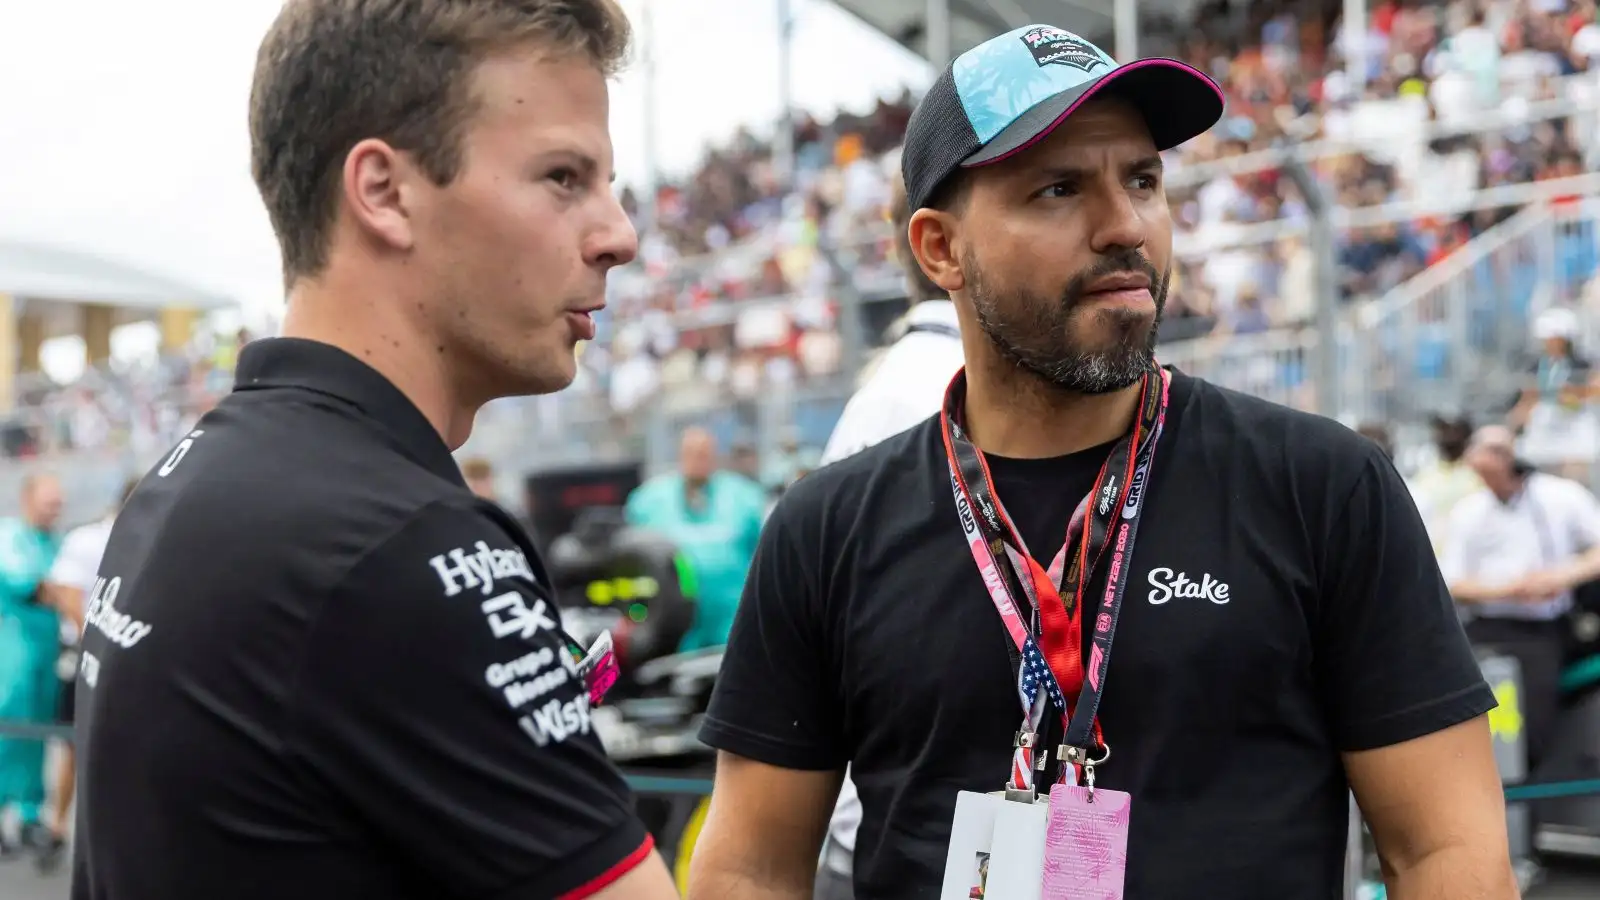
(565, 178)
(1058, 190)
(1146, 182)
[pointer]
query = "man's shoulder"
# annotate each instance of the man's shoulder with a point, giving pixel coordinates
(86, 538)
(461, 542)
(285, 520)
(1473, 505)
(1560, 489)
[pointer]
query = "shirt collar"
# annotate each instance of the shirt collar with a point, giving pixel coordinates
(314, 366)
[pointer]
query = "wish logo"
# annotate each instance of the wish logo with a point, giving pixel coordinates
(1053, 46)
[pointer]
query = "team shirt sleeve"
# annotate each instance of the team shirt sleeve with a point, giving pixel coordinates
(442, 704)
(775, 699)
(1395, 662)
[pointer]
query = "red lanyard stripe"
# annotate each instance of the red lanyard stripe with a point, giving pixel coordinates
(1058, 619)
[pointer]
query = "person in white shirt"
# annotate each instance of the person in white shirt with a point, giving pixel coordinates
(906, 385)
(1513, 553)
(1560, 428)
(68, 587)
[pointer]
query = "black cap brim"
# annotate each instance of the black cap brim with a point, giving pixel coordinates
(1177, 100)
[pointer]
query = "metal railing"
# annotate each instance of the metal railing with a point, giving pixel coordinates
(1449, 338)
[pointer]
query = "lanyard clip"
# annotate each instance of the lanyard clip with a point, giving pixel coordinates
(1023, 787)
(1027, 740)
(1078, 756)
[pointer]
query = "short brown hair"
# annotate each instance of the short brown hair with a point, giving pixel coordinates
(918, 285)
(332, 73)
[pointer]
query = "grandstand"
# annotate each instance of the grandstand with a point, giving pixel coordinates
(1405, 206)
(1414, 210)
(102, 426)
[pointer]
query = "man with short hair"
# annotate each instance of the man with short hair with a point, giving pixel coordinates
(315, 664)
(938, 611)
(714, 516)
(1515, 550)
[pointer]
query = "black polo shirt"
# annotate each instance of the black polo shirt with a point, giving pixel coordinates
(1284, 606)
(316, 666)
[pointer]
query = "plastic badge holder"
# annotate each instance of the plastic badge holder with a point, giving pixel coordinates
(1016, 868)
(599, 668)
(1086, 844)
(996, 848)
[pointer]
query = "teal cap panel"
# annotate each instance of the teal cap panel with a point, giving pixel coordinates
(1002, 78)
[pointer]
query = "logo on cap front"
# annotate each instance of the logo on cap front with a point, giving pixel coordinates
(1053, 46)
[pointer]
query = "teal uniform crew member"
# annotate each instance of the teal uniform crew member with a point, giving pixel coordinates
(30, 643)
(714, 517)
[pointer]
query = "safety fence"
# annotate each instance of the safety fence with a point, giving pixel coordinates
(673, 800)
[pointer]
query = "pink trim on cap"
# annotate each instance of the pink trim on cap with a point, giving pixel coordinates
(1109, 78)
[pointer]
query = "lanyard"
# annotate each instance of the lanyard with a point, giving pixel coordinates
(1049, 642)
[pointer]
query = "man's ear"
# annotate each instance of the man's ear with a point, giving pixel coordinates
(375, 194)
(930, 232)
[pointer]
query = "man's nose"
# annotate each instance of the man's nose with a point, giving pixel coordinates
(614, 242)
(1118, 225)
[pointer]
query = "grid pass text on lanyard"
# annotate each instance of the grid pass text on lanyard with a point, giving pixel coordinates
(1105, 520)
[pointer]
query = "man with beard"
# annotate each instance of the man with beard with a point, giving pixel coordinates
(1282, 632)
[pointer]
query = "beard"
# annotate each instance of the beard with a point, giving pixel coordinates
(1060, 343)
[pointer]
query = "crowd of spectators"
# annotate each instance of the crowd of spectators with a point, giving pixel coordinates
(1452, 98)
(739, 286)
(746, 263)
(140, 407)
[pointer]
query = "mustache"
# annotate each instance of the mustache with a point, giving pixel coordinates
(1114, 264)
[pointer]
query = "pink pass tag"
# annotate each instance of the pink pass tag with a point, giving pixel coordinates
(599, 668)
(1086, 844)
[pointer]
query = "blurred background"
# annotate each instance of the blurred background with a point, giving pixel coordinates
(1393, 225)
(1398, 189)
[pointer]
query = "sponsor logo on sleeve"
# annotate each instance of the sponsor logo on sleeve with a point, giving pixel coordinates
(479, 568)
(557, 720)
(101, 614)
(509, 614)
(531, 676)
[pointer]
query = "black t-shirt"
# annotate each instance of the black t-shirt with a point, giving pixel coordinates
(1284, 605)
(317, 667)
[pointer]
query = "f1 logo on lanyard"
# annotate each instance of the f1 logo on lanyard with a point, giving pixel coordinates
(1020, 847)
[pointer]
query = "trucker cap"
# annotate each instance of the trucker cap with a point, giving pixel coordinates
(1003, 95)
